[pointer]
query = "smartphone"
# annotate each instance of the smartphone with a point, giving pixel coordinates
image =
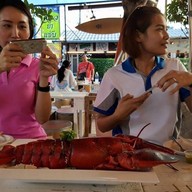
(151, 89)
(31, 46)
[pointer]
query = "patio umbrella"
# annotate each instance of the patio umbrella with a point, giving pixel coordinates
(102, 26)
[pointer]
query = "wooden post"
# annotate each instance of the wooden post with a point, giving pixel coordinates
(190, 33)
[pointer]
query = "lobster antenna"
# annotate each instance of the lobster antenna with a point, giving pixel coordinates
(142, 130)
(172, 167)
(139, 134)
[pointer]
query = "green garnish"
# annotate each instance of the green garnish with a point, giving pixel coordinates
(68, 135)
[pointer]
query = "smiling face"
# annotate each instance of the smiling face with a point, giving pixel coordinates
(155, 39)
(14, 25)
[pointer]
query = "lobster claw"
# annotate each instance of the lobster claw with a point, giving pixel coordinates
(145, 159)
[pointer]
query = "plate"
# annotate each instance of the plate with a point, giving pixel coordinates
(78, 176)
(5, 139)
(172, 145)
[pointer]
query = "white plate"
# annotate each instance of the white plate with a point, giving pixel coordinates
(78, 176)
(5, 139)
(172, 145)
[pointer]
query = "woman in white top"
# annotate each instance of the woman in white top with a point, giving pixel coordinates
(64, 80)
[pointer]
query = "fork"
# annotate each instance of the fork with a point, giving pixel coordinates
(180, 146)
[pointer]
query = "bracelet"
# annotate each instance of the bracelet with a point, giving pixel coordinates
(43, 89)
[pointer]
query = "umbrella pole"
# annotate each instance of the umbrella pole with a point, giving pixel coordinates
(190, 33)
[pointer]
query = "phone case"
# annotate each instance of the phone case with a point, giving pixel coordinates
(31, 46)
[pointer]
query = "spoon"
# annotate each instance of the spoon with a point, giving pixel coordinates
(180, 146)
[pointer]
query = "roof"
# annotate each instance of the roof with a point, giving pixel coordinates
(76, 36)
(178, 33)
(80, 36)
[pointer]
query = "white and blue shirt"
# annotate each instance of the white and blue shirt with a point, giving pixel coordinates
(66, 84)
(160, 109)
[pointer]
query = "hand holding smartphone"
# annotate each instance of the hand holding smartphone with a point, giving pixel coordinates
(31, 46)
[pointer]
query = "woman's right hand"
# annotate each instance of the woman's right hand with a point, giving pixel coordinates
(10, 57)
(128, 104)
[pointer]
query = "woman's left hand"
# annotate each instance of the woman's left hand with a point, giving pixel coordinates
(181, 78)
(48, 64)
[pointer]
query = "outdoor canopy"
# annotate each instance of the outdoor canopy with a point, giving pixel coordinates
(63, 2)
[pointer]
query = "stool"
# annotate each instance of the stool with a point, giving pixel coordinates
(63, 107)
(54, 127)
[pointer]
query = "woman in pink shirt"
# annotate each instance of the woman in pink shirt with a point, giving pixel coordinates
(25, 101)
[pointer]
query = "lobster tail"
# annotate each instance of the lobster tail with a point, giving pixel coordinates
(7, 154)
(43, 153)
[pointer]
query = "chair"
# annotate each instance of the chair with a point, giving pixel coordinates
(89, 113)
(54, 127)
(63, 107)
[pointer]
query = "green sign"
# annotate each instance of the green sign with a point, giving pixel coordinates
(51, 29)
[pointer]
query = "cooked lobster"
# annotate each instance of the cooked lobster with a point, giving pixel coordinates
(109, 153)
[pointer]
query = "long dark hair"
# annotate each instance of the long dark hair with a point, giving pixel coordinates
(139, 20)
(60, 72)
(21, 6)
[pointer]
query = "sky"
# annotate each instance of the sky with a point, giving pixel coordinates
(161, 5)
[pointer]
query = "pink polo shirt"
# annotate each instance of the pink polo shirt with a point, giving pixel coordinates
(17, 100)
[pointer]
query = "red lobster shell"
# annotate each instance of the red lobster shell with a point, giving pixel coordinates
(109, 153)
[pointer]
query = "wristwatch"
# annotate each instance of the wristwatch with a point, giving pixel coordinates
(43, 89)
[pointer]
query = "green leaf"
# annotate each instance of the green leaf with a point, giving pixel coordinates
(40, 12)
(177, 11)
(68, 135)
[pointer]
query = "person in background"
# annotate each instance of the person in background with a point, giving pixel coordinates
(64, 80)
(186, 54)
(25, 101)
(122, 103)
(86, 67)
(178, 54)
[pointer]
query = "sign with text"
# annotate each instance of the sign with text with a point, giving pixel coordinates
(51, 29)
(102, 46)
(85, 47)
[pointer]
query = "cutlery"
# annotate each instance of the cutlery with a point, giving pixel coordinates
(180, 146)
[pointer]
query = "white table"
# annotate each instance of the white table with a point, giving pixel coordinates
(78, 108)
